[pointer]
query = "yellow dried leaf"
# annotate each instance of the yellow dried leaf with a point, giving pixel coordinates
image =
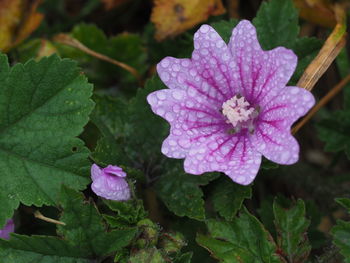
(172, 17)
(18, 19)
(316, 11)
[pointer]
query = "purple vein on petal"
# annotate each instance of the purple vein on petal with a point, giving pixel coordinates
(267, 80)
(266, 136)
(200, 91)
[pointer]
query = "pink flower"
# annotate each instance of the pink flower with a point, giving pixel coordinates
(8, 228)
(109, 182)
(229, 104)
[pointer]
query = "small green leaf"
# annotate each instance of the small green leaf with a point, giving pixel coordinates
(126, 213)
(149, 255)
(277, 24)
(229, 196)
(85, 228)
(224, 28)
(291, 226)
(43, 107)
(182, 194)
(241, 240)
(341, 232)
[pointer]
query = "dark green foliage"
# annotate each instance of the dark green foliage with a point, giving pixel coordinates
(85, 228)
(306, 48)
(84, 237)
(124, 127)
(125, 213)
(182, 194)
(172, 217)
(43, 107)
(277, 24)
(291, 226)
(334, 130)
(341, 232)
(126, 48)
(228, 197)
(243, 240)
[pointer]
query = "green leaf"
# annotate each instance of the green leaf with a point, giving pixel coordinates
(85, 228)
(229, 196)
(121, 142)
(265, 214)
(109, 117)
(144, 142)
(277, 24)
(126, 213)
(306, 48)
(341, 235)
(111, 112)
(224, 28)
(241, 240)
(291, 226)
(126, 48)
(335, 132)
(341, 232)
(40, 249)
(182, 194)
(43, 107)
(84, 237)
(345, 202)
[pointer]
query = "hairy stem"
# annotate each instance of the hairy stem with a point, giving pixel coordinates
(70, 41)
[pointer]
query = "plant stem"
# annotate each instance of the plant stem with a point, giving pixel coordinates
(70, 41)
(39, 215)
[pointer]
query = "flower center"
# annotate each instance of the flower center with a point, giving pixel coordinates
(239, 113)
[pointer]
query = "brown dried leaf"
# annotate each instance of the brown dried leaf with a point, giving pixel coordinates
(316, 11)
(110, 4)
(18, 19)
(172, 17)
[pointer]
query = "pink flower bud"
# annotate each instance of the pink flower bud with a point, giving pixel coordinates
(109, 183)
